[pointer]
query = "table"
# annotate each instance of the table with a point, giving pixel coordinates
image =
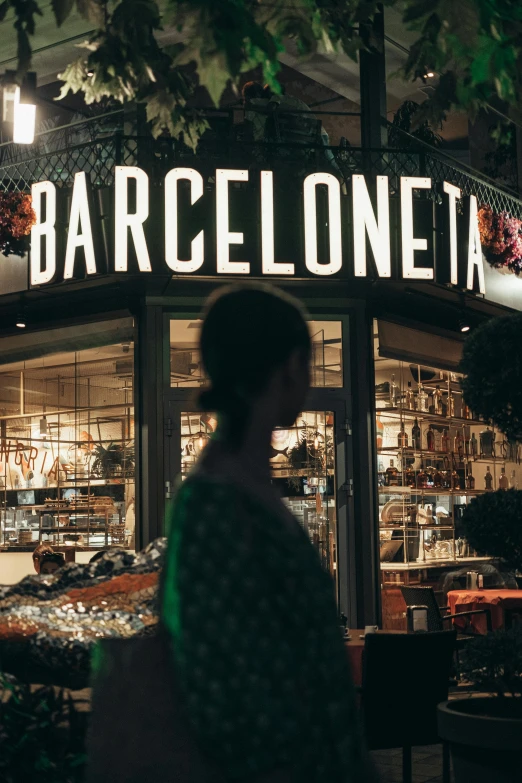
(497, 601)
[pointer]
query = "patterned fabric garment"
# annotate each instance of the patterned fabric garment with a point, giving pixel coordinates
(256, 640)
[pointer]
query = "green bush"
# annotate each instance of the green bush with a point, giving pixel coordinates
(492, 524)
(492, 367)
(42, 734)
(493, 663)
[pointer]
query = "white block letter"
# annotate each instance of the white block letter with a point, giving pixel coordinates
(269, 266)
(409, 242)
(123, 221)
(225, 237)
(334, 223)
(454, 193)
(46, 229)
(171, 220)
(378, 230)
(474, 249)
(80, 231)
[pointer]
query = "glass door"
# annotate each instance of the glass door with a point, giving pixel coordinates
(308, 464)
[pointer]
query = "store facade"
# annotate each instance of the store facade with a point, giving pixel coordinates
(97, 414)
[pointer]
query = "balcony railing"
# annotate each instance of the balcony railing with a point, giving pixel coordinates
(96, 147)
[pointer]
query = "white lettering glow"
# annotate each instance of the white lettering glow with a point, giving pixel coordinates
(453, 194)
(45, 229)
(171, 221)
(269, 265)
(409, 242)
(225, 237)
(378, 229)
(474, 249)
(123, 221)
(334, 223)
(80, 230)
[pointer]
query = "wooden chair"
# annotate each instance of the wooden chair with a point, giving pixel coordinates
(425, 596)
(405, 677)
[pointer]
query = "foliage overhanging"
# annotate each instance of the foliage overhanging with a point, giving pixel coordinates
(492, 367)
(492, 526)
(475, 46)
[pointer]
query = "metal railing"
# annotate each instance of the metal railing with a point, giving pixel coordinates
(58, 158)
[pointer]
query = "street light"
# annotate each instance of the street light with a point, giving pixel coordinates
(17, 108)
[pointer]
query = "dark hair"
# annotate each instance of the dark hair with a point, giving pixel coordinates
(41, 550)
(53, 557)
(252, 90)
(247, 333)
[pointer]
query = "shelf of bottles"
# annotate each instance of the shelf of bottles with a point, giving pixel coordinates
(433, 457)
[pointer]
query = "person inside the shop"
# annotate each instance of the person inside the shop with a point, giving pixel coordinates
(39, 552)
(51, 562)
(249, 613)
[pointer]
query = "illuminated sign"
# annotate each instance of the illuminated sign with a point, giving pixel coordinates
(235, 224)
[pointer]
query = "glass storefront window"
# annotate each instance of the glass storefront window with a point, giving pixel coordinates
(67, 455)
(185, 363)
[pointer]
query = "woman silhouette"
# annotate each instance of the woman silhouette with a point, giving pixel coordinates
(249, 610)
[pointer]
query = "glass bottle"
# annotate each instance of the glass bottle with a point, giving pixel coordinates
(450, 409)
(458, 443)
(430, 439)
(503, 482)
(409, 477)
(470, 478)
(422, 400)
(410, 398)
(402, 437)
(445, 441)
(488, 480)
(466, 413)
(392, 475)
(513, 484)
(416, 441)
(473, 445)
(437, 401)
(393, 392)
(455, 479)
(381, 476)
(437, 479)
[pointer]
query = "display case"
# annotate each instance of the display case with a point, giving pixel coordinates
(433, 457)
(67, 457)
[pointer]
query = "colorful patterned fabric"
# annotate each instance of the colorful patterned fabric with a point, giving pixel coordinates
(49, 624)
(256, 639)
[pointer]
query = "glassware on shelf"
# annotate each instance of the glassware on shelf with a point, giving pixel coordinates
(473, 445)
(410, 398)
(422, 400)
(422, 478)
(466, 412)
(409, 477)
(416, 441)
(450, 407)
(394, 393)
(437, 401)
(513, 483)
(430, 439)
(470, 478)
(487, 443)
(392, 475)
(458, 443)
(503, 481)
(488, 480)
(402, 438)
(437, 479)
(445, 441)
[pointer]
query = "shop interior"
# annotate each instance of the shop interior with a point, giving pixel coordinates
(67, 455)
(433, 457)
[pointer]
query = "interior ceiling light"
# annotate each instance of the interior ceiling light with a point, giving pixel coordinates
(20, 321)
(18, 108)
(430, 75)
(464, 325)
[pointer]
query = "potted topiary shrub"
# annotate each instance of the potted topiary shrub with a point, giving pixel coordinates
(485, 732)
(492, 524)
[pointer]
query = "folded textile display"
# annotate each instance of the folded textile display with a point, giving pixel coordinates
(48, 625)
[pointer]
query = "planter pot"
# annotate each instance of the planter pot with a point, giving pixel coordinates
(485, 738)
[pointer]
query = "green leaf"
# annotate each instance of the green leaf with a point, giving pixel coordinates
(4, 8)
(92, 10)
(61, 10)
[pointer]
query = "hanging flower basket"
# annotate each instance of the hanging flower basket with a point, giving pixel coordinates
(17, 217)
(501, 239)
